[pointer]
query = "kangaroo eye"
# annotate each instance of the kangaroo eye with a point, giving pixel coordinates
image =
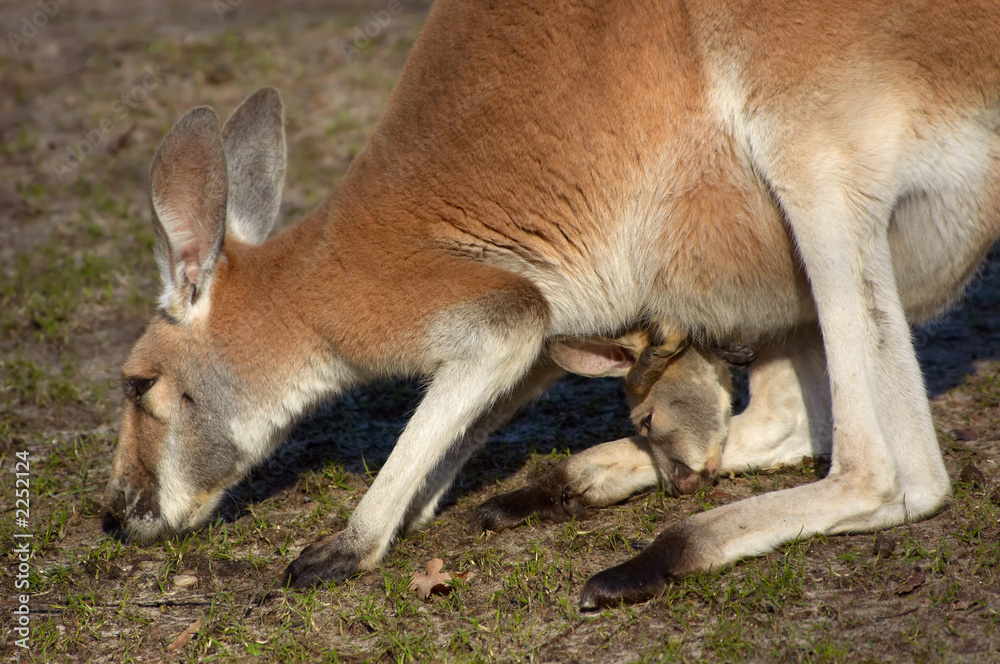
(187, 398)
(135, 387)
(647, 423)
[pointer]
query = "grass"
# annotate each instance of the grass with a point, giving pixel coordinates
(32, 383)
(522, 600)
(796, 604)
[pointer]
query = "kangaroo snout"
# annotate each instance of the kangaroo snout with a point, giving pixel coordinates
(132, 509)
(114, 509)
(686, 481)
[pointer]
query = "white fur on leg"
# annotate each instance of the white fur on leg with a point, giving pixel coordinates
(788, 417)
(883, 441)
(424, 506)
(886, 465)
(611, 472)
(461, 391)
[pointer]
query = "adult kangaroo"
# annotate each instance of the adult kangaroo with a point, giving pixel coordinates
(744, 170)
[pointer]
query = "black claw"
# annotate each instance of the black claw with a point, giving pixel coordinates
(321, 562)
(617, 586)
(637, 580)
(821, 465)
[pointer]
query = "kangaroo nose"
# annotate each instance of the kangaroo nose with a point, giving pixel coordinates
(114, 511)
(686, 480)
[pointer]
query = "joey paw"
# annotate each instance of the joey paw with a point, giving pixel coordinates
(542, 499)
(736, 354)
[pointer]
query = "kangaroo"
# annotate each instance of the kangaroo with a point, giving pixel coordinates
(745, 170)
(681, 400)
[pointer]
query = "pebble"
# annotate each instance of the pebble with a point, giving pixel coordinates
(973, 476)
(885, 544)
(185, 580)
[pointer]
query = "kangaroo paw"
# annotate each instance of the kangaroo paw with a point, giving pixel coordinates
(325, 560)
(548, 499)
(640, 579)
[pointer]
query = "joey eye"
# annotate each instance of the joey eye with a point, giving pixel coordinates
(187, 399)
(135, 387)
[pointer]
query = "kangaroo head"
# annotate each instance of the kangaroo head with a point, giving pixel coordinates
(190, 380)
(679, 395)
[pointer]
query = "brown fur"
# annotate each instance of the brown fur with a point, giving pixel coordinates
(429, 184)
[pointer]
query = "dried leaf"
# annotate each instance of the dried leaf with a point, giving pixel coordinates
(967, 435)
(185, 636)
(912, 582)
(436, 582)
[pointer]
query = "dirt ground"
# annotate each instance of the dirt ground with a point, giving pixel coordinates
(87, 90)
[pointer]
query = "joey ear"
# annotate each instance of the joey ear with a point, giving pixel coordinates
(254, 142)
(651, 363)
(591, 356)
(188, 188)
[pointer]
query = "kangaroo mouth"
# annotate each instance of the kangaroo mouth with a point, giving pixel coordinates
(686, 481)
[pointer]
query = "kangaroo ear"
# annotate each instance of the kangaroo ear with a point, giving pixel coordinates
(254, 142)
(592, 356)
(188, 189)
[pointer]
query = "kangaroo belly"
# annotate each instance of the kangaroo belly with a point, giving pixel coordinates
(727, 263)
(713, 254)
(948, 217)
(700, 244)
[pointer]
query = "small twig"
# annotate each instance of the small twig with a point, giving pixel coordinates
(185, 636)
(897, 615)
